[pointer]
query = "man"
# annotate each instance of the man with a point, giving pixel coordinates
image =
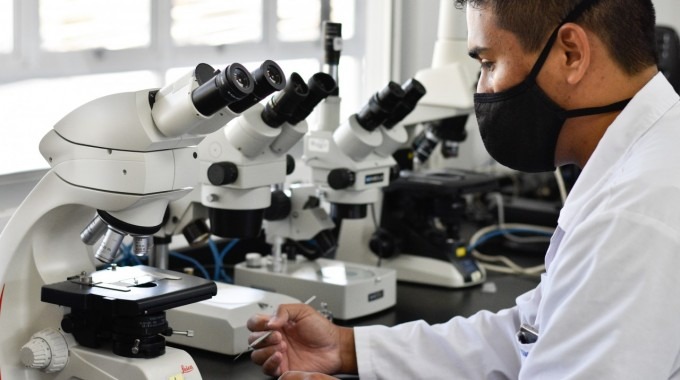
(562, 82)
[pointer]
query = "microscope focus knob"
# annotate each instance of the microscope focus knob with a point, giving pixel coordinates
(47, 350)
(383, 243)
(342, 178)
(222, 173)
(395, 171)
(290, 164)
(279, 208)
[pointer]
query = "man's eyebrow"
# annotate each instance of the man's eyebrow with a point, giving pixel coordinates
(476, 51)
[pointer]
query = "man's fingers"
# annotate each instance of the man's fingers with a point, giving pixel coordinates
(258, 322)
(272, 365)
(273, 338)
(289, 312)
(260, 355)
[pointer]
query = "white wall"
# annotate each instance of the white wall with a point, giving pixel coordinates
(668, 13)
(418, 32)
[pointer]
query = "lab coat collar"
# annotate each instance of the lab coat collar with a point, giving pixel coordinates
(646, 107)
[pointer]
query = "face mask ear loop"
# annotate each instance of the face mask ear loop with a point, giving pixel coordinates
(571, 17)
(618, 106)
(544, 55)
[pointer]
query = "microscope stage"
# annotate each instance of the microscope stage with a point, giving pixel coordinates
(129, 291)
(350, 290)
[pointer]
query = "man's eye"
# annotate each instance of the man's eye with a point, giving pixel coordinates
(487, 65)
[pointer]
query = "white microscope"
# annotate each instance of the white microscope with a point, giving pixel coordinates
(120, 158)
(349, 173)
(450, 84)
(239, 165)
(350, 166)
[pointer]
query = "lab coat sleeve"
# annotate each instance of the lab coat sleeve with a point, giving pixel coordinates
(610, 306)
(479, 347)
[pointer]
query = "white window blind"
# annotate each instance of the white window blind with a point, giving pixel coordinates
(298, 20)
(216, 22)
(72, 25)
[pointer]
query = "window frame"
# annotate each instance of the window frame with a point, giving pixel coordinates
(28, 61)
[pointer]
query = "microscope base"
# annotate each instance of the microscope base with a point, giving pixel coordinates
(353, 248)
(350, 290)
(428, 271)
(90, 363)
(219, 323)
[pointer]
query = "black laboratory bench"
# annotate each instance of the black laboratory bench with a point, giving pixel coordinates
(414, 301)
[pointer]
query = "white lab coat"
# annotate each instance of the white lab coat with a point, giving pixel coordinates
(608, 306)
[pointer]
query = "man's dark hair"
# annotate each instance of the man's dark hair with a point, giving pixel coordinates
(626, 27)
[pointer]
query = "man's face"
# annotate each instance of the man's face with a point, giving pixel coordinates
(503, 61)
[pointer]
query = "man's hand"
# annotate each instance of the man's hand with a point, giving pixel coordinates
(303, 340)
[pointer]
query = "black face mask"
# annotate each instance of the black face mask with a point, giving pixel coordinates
(520, 126)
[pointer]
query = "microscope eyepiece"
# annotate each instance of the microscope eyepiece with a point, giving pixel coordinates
(240, 76)
(272, 73)
(380, 106)
(203, 73)
(321, 85)
(225, 87)
(282, 105)
(414, 91)
(450, 130)
(268, 78)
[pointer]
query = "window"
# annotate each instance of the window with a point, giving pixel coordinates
(298, 20)
(23, 127)
(6, 26)
(343, 11)
(71, 51)
(216, 22)
(70, 25)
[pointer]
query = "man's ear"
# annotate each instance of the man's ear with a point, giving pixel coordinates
(575, 49)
